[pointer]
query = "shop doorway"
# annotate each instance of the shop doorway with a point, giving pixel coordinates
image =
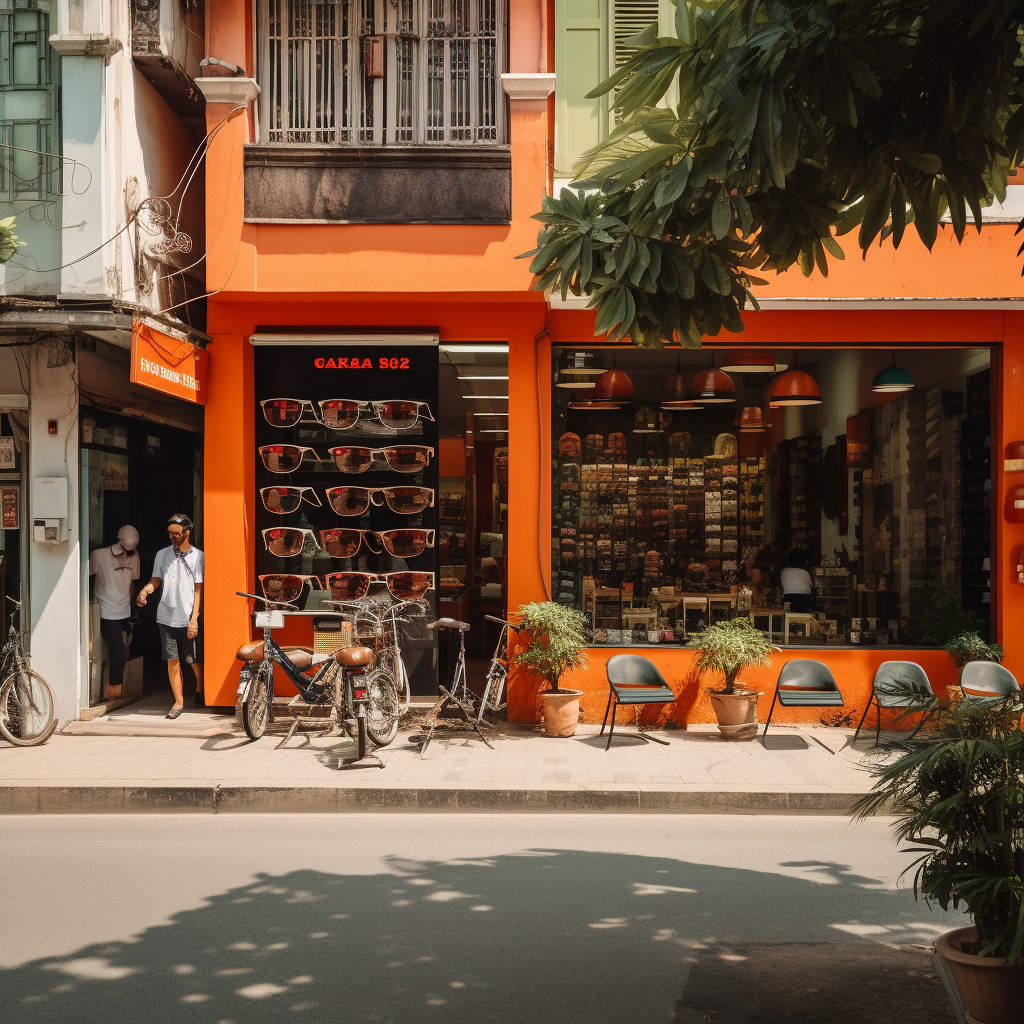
(136, 472)
(473, 515)
(13, 449)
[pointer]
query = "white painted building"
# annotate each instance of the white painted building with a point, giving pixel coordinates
(101, 127)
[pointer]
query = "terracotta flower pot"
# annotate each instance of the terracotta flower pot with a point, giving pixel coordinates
(736, 713)
(561, 712)
(992, 988)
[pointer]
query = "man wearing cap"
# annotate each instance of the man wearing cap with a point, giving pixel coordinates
(116, 569)
(179, 570)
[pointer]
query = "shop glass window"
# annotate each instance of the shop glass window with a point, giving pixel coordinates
(666, 518)
(380, 72)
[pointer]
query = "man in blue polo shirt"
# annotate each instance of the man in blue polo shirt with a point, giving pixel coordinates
(179, 570)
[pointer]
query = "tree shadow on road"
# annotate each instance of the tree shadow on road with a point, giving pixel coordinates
(513, 938)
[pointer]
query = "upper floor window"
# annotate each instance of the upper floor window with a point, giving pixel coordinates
(381, 72)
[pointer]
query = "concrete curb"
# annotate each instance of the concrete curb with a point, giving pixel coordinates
(217, 798)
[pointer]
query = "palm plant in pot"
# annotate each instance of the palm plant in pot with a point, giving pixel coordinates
(958, 799)
(555, 645)
(730, 647)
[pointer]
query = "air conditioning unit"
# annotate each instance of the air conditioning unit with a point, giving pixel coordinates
(168, 40)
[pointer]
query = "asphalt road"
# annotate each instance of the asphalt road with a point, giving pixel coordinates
(412, 918)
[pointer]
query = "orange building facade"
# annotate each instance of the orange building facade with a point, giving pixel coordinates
(462, 283)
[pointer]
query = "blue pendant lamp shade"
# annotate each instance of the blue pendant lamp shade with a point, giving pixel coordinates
(893, 380)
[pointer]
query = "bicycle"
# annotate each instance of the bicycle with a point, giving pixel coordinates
(27, 706)
(497, 673)
(388, 682)
(457, 694)
(338, 682)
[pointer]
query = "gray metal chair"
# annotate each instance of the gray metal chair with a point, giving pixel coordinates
(804, 683)
(634, 680)
(987, 681)
(899, 684)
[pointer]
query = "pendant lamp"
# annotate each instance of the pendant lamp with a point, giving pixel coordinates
(893, 380)
(586, 405)
(613, 385)
(577, 368)
(712, 387)
(750, 361)
(794, 387)
(752, 421)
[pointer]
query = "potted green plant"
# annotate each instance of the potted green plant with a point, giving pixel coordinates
(556, 645)
(729, 647)
(958, 799)
(966, 647)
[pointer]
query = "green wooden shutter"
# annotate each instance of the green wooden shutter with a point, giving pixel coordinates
(581, 62)
(589, 45)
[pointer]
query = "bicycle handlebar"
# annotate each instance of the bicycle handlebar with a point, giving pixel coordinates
(17, 604)
(504, 622)
(279, 604)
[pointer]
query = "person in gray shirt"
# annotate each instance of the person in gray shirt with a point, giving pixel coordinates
(179, 570)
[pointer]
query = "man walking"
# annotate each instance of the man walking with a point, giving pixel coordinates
(179, 569)
(116, 568)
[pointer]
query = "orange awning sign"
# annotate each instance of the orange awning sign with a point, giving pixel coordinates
(175, 366)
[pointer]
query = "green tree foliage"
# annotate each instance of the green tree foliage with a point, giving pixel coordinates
(9, 243)
(798, 121)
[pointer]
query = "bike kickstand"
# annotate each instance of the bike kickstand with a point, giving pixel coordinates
(291, 733)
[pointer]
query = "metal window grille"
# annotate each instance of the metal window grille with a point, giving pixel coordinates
(381, 72)
(29, 168)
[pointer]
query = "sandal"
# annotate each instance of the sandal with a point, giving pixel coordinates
(174, 712)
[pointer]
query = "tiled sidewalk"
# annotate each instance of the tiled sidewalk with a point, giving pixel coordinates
(696, 760)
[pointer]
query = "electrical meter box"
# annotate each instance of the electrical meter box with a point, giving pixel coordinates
(50, 509)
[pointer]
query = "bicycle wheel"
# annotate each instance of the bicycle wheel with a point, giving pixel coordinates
(382, 707)
(26, 708)
(391, 662)
(256, 706)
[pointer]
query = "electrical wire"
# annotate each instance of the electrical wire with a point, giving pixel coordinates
(151, 200)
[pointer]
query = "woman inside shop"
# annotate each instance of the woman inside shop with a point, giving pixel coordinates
(797, 588)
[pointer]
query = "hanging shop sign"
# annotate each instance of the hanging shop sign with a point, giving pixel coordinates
(167, 363)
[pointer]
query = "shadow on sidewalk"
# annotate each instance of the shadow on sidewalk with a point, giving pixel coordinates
(543, 936)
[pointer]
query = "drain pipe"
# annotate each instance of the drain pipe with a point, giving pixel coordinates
(542, 460)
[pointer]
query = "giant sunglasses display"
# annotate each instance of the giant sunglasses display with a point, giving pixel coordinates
(354, 501)
(345, 413)
(353, 586)
(351, 459)
(282, 500)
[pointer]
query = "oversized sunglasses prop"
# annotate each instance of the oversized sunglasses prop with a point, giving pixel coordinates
(285, 458)
(354, 501)
(398, 414)
(286, 541)
(345, 543)
(344, 413)
(404, 586)
(402, 458)
(286, 586)
(282, 499)
(406, 543)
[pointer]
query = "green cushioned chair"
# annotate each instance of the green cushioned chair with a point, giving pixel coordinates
(634, 680)
(804, 683)
(898, 684)
(987, 681)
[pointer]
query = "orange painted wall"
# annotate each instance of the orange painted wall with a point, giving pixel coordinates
(853, 671)
(465, 282)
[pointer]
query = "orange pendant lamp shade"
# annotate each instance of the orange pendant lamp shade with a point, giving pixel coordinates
(676, 389)
(794, 387)
(749, 361)
(613, 385)
(712, 387)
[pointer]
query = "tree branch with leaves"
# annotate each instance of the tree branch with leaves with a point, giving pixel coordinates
(797, 122)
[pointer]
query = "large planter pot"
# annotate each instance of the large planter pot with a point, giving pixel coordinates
(736, 713)
(992, 988)
(561, 712)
